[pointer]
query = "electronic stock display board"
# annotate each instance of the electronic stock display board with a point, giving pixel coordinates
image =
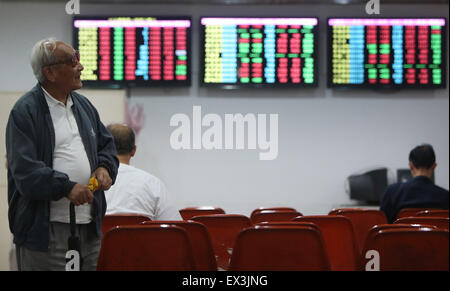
(259, 52)
(387, 53)
(133, 51)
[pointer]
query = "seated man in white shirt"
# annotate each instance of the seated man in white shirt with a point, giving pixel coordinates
(135, 190)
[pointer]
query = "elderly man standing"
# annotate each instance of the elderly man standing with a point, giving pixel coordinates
(55, 143)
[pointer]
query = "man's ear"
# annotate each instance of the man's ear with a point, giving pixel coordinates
(412, 168)
(48, 73)
(133, 152)
(434, 166)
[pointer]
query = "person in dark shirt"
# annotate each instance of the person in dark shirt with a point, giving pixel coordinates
(420, 191)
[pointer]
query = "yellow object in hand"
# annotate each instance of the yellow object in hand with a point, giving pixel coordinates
(93, 184)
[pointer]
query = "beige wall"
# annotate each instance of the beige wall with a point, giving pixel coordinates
(111, 107)
(7, 100)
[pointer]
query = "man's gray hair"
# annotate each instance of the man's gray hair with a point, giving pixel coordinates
(42, 54)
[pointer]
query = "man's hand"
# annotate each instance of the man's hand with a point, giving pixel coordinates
(80, 194)
(103, 178)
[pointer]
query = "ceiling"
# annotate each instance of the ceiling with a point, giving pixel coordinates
(243, 2)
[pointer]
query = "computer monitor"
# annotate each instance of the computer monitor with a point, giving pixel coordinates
(368, 186)
(404, 175)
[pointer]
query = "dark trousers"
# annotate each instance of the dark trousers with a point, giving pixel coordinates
(55, 258)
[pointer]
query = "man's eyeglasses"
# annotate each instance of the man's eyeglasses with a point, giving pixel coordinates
(73, 61)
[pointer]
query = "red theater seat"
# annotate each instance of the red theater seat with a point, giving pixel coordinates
(272, 208)
(406, 212)
(362, 220)
(279, 248)
(200, 241)
(439, 222)
(146, 248)
(223, 229)
(274, 215)
(433, 213)
(340, 240)
(113, 220)
(410, 249)
(189, 212)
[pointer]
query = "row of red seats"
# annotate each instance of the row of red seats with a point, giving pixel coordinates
(260, 214)
(257, 215)
(422, 212)
(342, 234)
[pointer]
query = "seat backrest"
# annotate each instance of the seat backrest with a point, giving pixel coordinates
(200, 241)
(433, 213)
(272, 208)
(406, 212)
(223, 229)
(288, 224)
(411, 249)
(439, 222)
(379, 227)
(398, 226)
(146, 248)
(362, 220)
(279, 248)
(274, 215)
(340, 240)
(189, 212)
(113, 220)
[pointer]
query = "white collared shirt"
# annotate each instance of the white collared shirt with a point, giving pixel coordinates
(138, 192)
(69, 157)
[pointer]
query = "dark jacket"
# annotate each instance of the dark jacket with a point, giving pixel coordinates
(32, 181)
(417, 193)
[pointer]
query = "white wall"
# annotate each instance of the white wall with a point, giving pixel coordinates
(324, 135)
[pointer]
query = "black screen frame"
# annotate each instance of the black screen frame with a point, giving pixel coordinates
(112, 84)
(229, 86)
(384, 87)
